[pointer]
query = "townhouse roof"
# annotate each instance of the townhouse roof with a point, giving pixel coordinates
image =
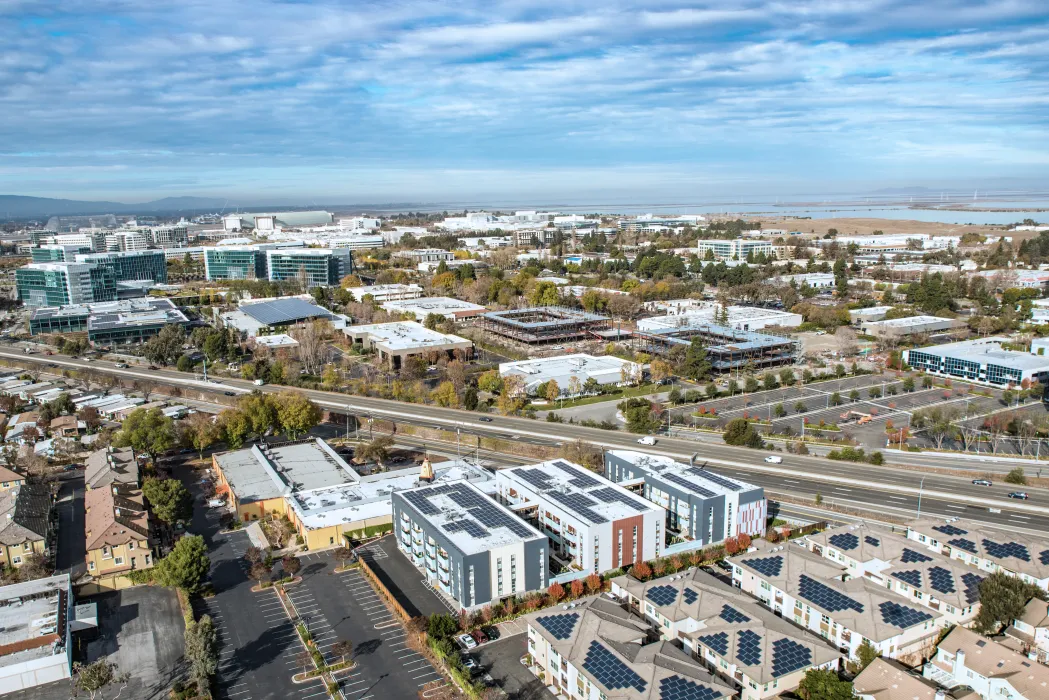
(24, 514)
(1025, 555)
(8, 475)
(886, 679)
(732, 624)
(115, 515)
(991, 659)
(111, 465)
(607, 646)
(1036, 613)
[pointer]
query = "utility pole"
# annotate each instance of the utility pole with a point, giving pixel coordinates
(920, 487)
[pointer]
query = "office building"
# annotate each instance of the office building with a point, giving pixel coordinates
(732, 249)
(574, 374)
(544, 324)
(111, 323)
(397, 341)
(593, 524)
(169, 236)
(359, 223)
(266, 316)
(35, 633)
(593, 648)
(61, 284)
(808, 589)
(992, 670)
(57, 253)
(683, 312)
(444, 306)
(866, 315)
(816, 280)
(744, 645)
(235, 263)
(981, 361)
(986, 549)
(912, 325)
(428, 255)
(468, 546)
(387, 292)
(127, 240)
(145, 265)
(119, 536)
(700, 505)
(727, 348)
(317, 267)
(26, 525)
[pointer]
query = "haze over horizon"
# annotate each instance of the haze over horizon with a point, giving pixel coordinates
(520, 101)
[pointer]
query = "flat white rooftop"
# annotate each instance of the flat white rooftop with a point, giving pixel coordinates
(606, 369)
(403, 335)
(673, 472)
(262, 472)
(30, 611)
(987, 351)
(433, 305)
(909, 321)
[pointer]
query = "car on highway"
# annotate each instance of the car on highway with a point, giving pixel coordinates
(647, 440)
(153, 368)
(230, 393)
(121, 365)
(981, 482)
(51, 364)
(485, 419)
(773, 459)
(1022, 495)
(466, 641)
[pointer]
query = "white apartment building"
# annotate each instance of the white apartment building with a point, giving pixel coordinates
(732, 249)
(128, 240)
(593, 524)
(994, 671)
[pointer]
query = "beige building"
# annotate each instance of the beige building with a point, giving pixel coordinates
(10, 479)
(397, 341)
(885, 679)
(117, 530)
(110, 466)
(25, 522)
(993, 671)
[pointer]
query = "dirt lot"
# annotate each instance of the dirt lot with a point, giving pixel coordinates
(865, 227)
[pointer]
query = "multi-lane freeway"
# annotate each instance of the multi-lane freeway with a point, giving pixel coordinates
(889, 488)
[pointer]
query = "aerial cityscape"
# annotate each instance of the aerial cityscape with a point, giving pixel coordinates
(599, 351)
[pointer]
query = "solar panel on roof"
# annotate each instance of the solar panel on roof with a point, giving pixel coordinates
(421, 503)
(609, 671)
(941, 579)
(788, 656)
(468, 526)
(769, 566)
(730, 614)
(580, 504)
(748, 648)
(912, 557)
(559, 626)
(718, 642)
(1044, 557)
(579, 478)
(901, 616)
(282, 311)
(972, 587)
(872, 541)
(678, 688)
(845, 541)
(950, 530)
(967, 545)
(1005, 550)
(662, 595)
(535, 477)
(826, 597)
(610, 494)
(914, 577)
(690, 596)
(715, 478)
(688, 485)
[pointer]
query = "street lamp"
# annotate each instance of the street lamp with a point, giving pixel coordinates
(921, 486)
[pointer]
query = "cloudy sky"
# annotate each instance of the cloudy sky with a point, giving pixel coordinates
(427, 100)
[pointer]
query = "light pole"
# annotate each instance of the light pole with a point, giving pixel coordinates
(920, 487)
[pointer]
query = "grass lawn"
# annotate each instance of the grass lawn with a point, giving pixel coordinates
(617, 395)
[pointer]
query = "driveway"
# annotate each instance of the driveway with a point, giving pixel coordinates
(71, 539)
(502, 660)
(402, 579)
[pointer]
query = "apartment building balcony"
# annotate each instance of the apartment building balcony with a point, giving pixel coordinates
(937, 674)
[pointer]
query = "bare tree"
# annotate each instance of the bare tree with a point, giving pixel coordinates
(313, 348)
(846, 339)
(146, 386)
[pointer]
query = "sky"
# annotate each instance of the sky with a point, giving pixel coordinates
(518, 100)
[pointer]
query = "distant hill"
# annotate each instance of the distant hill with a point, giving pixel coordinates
(13, 206)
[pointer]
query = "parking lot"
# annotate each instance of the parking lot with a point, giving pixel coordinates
(501, 659)
(402, 579)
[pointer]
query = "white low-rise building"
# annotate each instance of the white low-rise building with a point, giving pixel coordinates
(982, 361)
(965, 658)
(686, 312)
(816, 280)
(36, 618)
(395, 342)
(574, 374)
(387, 292)
(443, 306)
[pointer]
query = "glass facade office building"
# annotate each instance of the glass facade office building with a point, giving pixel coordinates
(982, 361)
(228, 263)
(320, 266)
(57, 253)
(58, 284)
(150, 265)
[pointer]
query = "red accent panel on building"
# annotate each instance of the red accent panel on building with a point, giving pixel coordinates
(626, 527)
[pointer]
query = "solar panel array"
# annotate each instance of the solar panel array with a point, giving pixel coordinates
(559, 626)
(579, 504)
(900, 615)
(748, 648)
(662, 595)
(678, 688)
(845, 541)
(967, 545)
(614, 495)
(1044, 557)
(941, 579)
(826, 597)
(788, 656)
(715, 478)
(912, 557)
(282, 311)
(872, 541)
(578, 478)
(421, 502)
(769, 566)
(690, 596)
(535, 477)
(609, 671)
(914, 577)
(972, 587)
(1000, 550)
(468, 526)
(730, 614)
(718, 642)
(950, 530)
(688, 485)
(476, 505)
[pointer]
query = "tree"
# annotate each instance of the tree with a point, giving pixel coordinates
(490, 381)
(553, 391)
(168, 499)
(741, 433)
(445, 395)
(233, 426)
(184, 364)
(186, 567)
(513, 397)
(1002, 600)
(593, 583)
(865, 656)
(556, 591)
(166, 346)
(148, 431)
(779, 411)
(1016, 476)
(313, 347)
(846, 340)
(201, 432)
(577, 588)
(291, 565)
(259, 571)
(342, 649)
(432, 321)
(202, 651)
(470, 399)
(91, 417)
(94, 679)
(659, 370)
(441, 626)
(695, 365)
(824, 684)
(253, 554)
(296, 414)
(261, 411)
(378, 450)
(342, 553)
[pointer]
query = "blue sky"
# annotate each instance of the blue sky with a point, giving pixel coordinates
(427, 100)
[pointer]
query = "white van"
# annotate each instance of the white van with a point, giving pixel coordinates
(258, 382)
(647, 440)
(773, 459)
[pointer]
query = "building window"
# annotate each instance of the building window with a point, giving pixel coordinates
(131, 544)
(106, 554)
(91, 565)
(17, 560)
(119, 561)
(26, 546)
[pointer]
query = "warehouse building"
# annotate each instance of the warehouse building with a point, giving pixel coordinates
(544, 324)
(700, 505)
(112, 323)
(593, 648)
(272, 221)
(574, 374)
(396, 342)
(684, 312)
(912, 325)
(745, 645)
(593, 524)
(443, 306)
(61, 284)
(265, 317)
(982, 361)
(467, 545)
(319, 267)
(871, 313)
(147, 265)
(816, 280)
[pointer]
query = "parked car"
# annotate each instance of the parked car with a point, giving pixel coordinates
(216, 502)
(981, 482)
(479, 636)
(1022, 495)
(647, 440)
(466, 641)
(153, 367)
(492, 632)
(485, 419)
(773, 459)
(471, 665)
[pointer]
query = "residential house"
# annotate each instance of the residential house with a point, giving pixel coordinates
(10, 479)
(885, 679)
(965, 658)
(118, 534)
(66, 426)
(1031, 630)
(22, 427)
(25, 522)
(111, 466)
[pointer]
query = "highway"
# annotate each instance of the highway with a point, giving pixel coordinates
(842, 483)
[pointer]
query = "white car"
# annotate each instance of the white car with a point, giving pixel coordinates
(647, 440)
(772, 459)
(466, 641)
(216, 503)
(258, 382)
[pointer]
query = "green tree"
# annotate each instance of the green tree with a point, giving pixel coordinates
(639, 415)
(186, 567)
(908, 383)
(184, 364)
(854, 395)
(202, 651)
(1016, 476)
(741, 433)
(750, 385)
(769, 381)
(824, 684)
(234, 426)
(200, 431)
(553, 391)
(96, 678)
(800, 407)
(445, 395)
(147, 431)
(712, 390)
(1002, 600)
(441, 626)
(835, 399)
(865, 656)
(695, 365)
(261, 412)
(432, 321)
(779, 411)
(166, 346)
(378, 450)
(470, 399)
(168, 499)
(296, 413)
(490, 381)
(839, 371)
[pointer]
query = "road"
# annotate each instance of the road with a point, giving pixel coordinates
(880, 482)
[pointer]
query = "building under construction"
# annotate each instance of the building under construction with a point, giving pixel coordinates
(544, 324)
(727, 348)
